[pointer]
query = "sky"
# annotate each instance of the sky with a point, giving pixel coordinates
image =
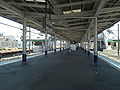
(7, 30)
(114, 28)
(17, 33)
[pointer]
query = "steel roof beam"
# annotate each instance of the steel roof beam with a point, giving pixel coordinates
(72, 24)
(75, 19)
(106, 20)
(56, 10)
(70, 28)
(112, 14)
(85, 23)
(10, 8)
(75, 3)
(14, 10)
(108, 10)
(72, 15)
(27, 5)
(66, 29)
(99, 9)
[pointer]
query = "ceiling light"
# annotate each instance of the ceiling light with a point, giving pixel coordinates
(40, 0)
(36, 0)
(77, 10)
(72, 11)
(67, 12)
(29, 0)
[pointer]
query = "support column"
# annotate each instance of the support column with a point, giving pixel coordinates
(63, 44)
(46, 43)
(29, 39)
(81, 44)
(95, 44)
(24, 41)
(118, 41)
(88, 42)
(85, 45)
(68, 46)
(55, 44)
(60, 44)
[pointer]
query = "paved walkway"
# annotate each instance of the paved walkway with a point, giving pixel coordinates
(60, 71)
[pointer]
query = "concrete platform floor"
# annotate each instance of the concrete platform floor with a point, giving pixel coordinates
(60, 71)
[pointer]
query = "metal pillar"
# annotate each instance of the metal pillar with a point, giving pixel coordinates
(118, 41)
(85, 45)
(88, 42)
(24, 41)
(55, 44)
(95, 44)
(63, 44)
(100, 45)
(46, 43)
(67, 46)
(81, 44)
(60, 44)
(29, 39)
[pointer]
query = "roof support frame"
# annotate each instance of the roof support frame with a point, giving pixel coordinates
(15, 11)
(75, 3)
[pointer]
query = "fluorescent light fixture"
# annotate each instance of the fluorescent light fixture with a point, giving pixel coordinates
(29, 0)
(40, 0)
(57, 22)
(72, 11)
(77, 10)
(67, 12)
(36, 0)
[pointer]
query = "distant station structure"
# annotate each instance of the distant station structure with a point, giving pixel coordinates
(8, 41)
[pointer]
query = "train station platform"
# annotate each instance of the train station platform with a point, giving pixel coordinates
(59, 71)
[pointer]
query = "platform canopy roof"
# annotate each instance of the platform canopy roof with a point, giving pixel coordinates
(70, 18)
